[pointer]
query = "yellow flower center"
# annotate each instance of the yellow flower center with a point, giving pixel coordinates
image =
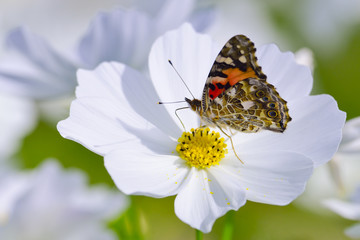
(201, 148)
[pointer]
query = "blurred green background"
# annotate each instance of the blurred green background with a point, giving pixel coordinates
(336, 72)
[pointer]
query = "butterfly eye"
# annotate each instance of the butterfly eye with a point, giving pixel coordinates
(272, 113)
(271, 105)
(265, 99)
(260, 93)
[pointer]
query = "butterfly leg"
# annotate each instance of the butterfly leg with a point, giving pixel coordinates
(179, 117)
(232, 133)
(202, 125)
(232, 144)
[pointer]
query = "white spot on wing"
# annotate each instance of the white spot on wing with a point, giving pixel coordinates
(229, 60)
(218, 101)
(231, 92)
(220, 59)
(247, 104)
(242, 59)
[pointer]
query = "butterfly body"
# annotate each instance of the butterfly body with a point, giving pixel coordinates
(236, 94)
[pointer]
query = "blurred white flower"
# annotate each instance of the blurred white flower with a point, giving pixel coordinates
(325, 24)
(17, 119)
(67, 15)
(350, 143)
(39, 71)
(247, 17)
(51, 203)
(305, 56)
(116, 115)
(348, 209)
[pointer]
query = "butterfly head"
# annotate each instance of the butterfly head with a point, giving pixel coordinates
(195, 105)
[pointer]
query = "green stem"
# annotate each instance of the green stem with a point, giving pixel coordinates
(228, 226)
(199, 235)
(128, 225)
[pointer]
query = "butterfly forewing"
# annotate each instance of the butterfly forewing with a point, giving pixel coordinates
(237, 95)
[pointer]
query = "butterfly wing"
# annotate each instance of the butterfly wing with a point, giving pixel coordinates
(237, 95)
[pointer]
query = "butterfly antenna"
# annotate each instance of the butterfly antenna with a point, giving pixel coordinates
(171, 102)
(180, 77)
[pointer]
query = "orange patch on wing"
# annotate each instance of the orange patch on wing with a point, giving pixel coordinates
(235, 75)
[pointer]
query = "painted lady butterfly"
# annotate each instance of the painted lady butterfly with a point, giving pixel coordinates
(236, 94)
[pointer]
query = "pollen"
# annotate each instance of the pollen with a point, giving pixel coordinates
(201, 148)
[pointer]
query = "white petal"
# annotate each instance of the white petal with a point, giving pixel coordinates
(272, 177)
(228, 192)
(206, 197)
(37, 70)
(203, 19)
(70, 186)
(350, 142)
(40, 53)
(141, 171)
(165, 19)
(20, 77)
(317, 127)
(57, 205)
(121, 35)
(315, 130)
(200, 15)
(12, 187)
(192, 55)
(322, 184)
(126, 35)
(291, 80)
(127, 89)
(102, 127)
(93, 127)
(353, 231)
(355, 196)
(347, 210)
(115, 105)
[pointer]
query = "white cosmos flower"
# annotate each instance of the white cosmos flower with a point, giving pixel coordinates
(39, 71)
(116, 115)
(51, 203)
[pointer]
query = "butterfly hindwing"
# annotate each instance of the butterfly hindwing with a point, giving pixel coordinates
(237, 95)
(250, 105)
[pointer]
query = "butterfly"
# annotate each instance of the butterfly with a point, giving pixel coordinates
(236, 94)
